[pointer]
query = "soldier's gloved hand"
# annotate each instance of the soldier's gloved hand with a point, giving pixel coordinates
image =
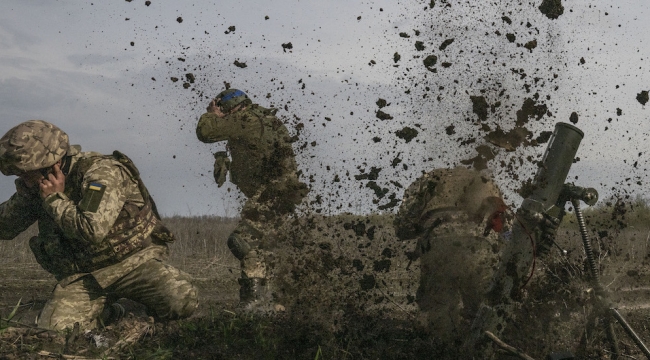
(221, 167)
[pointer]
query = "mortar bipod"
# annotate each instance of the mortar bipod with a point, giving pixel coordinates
(590, 196)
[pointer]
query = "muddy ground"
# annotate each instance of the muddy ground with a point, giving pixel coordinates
(352, 296)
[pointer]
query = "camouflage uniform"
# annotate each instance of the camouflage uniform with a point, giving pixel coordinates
(102, 238)
(456, 215)
(264, 168)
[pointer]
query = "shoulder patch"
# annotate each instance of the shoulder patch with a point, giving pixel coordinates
(92, 197)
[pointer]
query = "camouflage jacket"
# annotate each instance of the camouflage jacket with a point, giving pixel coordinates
(451, 201)
(99, 220)
(260, 146)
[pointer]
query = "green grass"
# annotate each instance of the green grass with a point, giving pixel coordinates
(5, 323)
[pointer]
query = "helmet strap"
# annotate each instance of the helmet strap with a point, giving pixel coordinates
(66, 161)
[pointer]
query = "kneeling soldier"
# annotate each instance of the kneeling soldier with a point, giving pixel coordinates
(100, 234)
(457, 215)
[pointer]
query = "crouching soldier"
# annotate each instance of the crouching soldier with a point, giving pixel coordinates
(457, 215)
(100, 234)
(264, 168)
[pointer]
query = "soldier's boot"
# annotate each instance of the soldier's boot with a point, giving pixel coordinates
(255, 295)
(112, 314)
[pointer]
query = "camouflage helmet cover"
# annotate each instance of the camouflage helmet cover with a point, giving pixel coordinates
(32, 145)
(229, 99)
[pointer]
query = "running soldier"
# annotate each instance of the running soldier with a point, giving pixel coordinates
(264, 168)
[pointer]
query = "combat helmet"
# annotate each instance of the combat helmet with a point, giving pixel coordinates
(32, 145)
(229, 99)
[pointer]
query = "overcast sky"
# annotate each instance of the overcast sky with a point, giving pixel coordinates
(102, 72)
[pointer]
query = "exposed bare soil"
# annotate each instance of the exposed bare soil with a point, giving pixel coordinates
(349, 291)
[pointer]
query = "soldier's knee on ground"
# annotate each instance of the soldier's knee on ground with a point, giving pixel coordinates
(71, 305)
(181, 300)
(183, 305)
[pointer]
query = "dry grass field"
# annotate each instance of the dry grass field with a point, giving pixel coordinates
(349, 292)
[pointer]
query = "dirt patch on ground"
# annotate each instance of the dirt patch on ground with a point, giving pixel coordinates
(349, 289)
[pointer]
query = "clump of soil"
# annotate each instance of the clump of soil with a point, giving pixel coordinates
(372, 175)
(287, 46)
(450, 130)
(407, 133)
(479, 162)
(510, 140)
(383, 116)
(446, 43)
(480, 107)
(430, 61)
(531, 45)
(642, 97)
(552, 8)
(543, 137)
(530, 109)
(527, 188)
(379, 191)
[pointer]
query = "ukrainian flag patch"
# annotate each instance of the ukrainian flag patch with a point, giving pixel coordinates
(92, 197)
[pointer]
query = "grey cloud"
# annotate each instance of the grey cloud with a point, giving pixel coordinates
(13, 36)
(93, 59)
(28, 94)
(18, 63)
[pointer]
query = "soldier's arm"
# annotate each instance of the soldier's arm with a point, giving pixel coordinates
(104, 192)
(211, 129)
(240, 124)
(18, 213)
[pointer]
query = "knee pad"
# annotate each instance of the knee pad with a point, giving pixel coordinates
(238, 246)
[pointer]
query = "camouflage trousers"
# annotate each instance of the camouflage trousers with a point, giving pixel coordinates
(166, 291)
(251, 239)
(261, 217)
(455, 274)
